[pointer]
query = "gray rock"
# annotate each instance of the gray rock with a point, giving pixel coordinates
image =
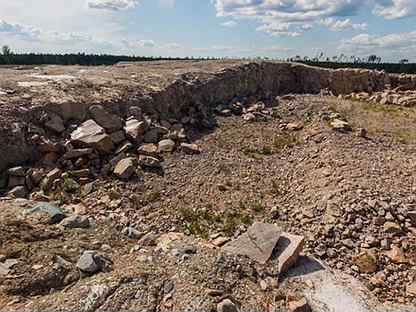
(125, 168)
(90, 134)
(76, 222)
(257, 243)
(226, 306)
(166, 146)
(55, 123)
(89, 262)
(52, 213)
(18, 192)
(17, 172)
(108, 121)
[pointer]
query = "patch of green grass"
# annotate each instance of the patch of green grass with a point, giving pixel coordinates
(199, 222)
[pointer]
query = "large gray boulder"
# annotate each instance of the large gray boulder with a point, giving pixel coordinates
(90, 134)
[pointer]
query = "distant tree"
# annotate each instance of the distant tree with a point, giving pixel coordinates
(372, 58)
(6, 54)
(403, 61)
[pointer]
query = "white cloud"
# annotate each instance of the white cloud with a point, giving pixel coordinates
(229, 24)
(113, 5)
(393, 9)
(288, 17)
(138, 44)
(340, 25)
(392, 46)
(19, 30)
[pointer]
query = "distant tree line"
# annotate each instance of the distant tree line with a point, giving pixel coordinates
(7, 57)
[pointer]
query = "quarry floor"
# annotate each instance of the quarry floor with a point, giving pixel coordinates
(314, 181)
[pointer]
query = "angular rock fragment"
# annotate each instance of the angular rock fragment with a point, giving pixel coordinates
(257, 243)
(190, 148)
(76, 222)
(108, 121)
(18, 192)
(50, 177)
(340, 125)
(90, 134)
(153, 135)
(149, 149)
(166, 146)
(135, 130)
(90, 262)
(125, 168)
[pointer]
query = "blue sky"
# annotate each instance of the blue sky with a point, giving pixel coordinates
(233, 28)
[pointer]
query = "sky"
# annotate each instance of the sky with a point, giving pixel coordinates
(217, 28)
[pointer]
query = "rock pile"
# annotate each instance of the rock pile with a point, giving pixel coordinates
(102, 145)
(388, 97)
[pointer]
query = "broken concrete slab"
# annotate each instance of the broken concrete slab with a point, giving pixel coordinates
(90, 134)
(257, 243)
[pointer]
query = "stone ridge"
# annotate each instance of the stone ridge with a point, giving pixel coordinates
(160, 89)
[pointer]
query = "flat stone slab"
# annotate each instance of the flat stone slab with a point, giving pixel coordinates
(257, 243)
